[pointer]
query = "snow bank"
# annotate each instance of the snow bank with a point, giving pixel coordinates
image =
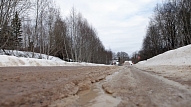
(20, 61)
(21, 58)
(180, 56)
(29, 55)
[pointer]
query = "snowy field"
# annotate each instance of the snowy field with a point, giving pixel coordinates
(19, 58)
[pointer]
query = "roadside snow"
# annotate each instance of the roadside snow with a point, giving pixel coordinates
(30, 55)
(19, 58)
(180, 56)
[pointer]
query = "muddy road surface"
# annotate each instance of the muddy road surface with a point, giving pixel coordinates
(138, 88)
(113, 86)
(44, 86)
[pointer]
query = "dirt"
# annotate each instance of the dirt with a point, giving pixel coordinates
(178, 73)
(47, 86)
(86, 96)
(112, 86)
(97, 97)
(139, 88)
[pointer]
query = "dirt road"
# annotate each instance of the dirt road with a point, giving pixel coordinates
(85, 86)
(44, 86)
(139, 88)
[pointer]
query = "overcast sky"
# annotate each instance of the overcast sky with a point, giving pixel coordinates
(121, 24)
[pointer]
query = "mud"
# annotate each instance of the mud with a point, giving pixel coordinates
(47, 86)
(139, 88)
(178, 73)
(111, 86)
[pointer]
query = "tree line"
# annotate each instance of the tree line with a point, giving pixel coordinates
(37, 26)
(169, 28)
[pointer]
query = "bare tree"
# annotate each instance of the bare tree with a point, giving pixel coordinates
(46, 32)
(8, 9)
(169, 28)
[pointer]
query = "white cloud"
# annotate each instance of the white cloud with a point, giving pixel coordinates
(121, 24)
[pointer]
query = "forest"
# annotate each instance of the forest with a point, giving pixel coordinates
(169, 28)
(38, 26)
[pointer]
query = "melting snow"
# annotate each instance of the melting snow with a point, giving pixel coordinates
(26, 60)
(180, 56)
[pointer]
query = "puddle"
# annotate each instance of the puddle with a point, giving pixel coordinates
(97, 97)
(85, 97)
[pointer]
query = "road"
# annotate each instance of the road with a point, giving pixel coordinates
(85, 86)
(140, 88)
(42, 86)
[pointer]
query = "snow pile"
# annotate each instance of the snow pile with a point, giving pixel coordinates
(19, 58)
(180, 56)
(21, 61)
(29, 55)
